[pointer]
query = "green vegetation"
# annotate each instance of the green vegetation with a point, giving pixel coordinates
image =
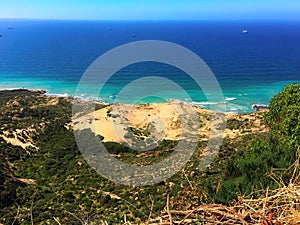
(68, 189)
(253, 168)
(234, 124)
(284, 116)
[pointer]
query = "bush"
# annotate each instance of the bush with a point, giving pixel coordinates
(284, 115)
(250, 170)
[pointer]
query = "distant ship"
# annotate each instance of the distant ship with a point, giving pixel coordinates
(245, 31)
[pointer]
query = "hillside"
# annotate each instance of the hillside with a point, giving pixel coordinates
(45, 180)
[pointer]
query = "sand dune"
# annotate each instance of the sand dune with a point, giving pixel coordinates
(163, 120)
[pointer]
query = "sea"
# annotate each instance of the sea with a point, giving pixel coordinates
(252, 61)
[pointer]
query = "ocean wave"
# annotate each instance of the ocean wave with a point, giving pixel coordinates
(65, 95)
(186, 101)
(227, 99)
(207, 103)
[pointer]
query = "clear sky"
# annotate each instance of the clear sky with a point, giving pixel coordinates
(151, 9)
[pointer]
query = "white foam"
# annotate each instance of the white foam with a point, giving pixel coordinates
(229, 99)
(207, 103)
(65, 95)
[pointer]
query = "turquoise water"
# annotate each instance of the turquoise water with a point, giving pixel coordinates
(237, 101)
(53, 55)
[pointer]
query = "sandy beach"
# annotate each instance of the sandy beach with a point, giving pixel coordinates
(162, 120)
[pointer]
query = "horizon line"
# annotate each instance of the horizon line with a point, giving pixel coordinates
(158, 20)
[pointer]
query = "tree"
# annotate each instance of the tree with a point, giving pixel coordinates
(284, 115)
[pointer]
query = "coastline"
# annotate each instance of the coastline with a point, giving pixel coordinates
(204, 105)
(238, 101)
(115, 117)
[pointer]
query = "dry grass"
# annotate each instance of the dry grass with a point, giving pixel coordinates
(273, 207)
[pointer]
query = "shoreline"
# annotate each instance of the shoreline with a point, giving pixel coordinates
(238, 101)
(97, 100)
(114, 121)
(123, 123)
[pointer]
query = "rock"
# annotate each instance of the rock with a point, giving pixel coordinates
(15, 104)
(41, 92)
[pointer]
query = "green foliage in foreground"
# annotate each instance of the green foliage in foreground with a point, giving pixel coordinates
(68, 189)
(251, 169)
(284, 116)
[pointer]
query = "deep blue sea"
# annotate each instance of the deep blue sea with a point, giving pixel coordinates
(251, 68)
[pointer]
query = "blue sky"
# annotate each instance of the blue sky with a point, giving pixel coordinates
(151, 9)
